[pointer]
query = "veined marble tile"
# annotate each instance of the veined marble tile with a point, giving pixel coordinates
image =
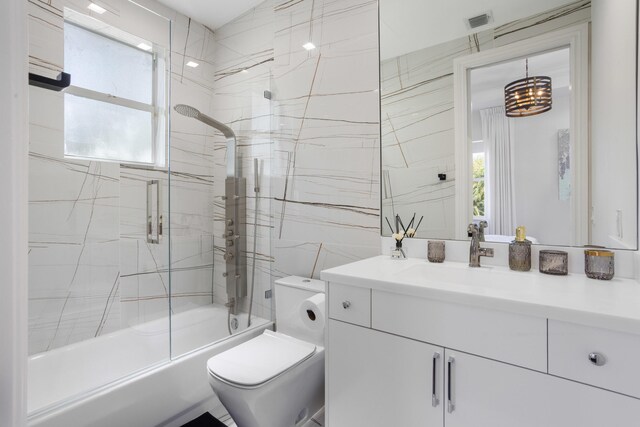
(77, 293)
(46, 49)
(325, 181)
(575, 13)
(308, 259)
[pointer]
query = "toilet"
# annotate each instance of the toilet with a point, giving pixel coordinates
(277, 378)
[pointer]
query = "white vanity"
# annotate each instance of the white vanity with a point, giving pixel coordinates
(411, 343)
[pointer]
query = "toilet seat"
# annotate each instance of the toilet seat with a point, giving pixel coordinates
(260, 359)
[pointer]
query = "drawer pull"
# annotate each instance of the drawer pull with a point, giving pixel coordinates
(346, 304)
(434, 373)
(597, 359)
(450, 404)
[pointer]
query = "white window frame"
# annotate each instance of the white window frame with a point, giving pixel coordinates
(158, 136)
(577, 39)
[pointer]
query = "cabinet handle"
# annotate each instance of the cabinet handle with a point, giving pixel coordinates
(434, 370)
(597, 359)
(450, 405)
(346, 304)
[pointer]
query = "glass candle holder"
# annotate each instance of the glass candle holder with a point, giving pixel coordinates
(435, 251)
(599, 264)
(554, 262)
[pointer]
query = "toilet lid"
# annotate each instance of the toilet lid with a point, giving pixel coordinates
(260, 359)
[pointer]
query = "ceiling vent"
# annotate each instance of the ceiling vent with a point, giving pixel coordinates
(479, 21)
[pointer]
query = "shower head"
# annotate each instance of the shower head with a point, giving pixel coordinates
(187, 110)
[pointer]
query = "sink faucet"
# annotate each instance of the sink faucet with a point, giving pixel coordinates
(481, 226)
(475, 251)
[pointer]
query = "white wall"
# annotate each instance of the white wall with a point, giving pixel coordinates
(613, 121)
(538, 206)
(13, 213)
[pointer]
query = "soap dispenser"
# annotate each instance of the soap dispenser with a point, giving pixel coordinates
(520, 251)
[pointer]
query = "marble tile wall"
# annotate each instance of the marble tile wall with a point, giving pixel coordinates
(418, 118)
(325, 173)
(74, 273)
(192, 165)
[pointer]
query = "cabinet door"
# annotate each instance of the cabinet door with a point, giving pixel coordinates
(488, 393)
(376, 379)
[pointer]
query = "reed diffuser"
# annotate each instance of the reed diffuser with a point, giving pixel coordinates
(400, 233)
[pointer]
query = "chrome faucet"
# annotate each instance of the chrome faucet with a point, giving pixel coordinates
(475, 251)
(481, 226)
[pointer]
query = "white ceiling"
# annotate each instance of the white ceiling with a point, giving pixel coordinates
(487, 83)
(409, 25)
(212, 13)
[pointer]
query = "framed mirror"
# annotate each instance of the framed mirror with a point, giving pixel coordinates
(514, 113)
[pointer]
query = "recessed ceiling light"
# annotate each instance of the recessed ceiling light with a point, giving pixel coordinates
(244, 70)
(192, 64)
(309, 46)
(144, 46)
(97, 9)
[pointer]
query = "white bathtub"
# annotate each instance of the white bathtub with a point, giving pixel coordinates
(143, 387)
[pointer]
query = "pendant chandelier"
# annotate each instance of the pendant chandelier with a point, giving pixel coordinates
(528, 96)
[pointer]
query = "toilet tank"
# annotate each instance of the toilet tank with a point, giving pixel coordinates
(289, 294)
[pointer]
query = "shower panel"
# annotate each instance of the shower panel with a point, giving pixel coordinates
(235, 201)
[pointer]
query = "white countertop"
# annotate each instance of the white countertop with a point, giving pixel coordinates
(613, 304)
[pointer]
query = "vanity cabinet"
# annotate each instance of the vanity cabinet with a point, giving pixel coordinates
(485, 392)
(378, 379)
(422, 362)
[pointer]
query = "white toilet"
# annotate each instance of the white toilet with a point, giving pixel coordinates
(277, 378)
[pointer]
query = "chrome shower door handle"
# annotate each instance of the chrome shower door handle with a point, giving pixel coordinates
(154, 211)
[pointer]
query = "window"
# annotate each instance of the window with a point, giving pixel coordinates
(113, 110)
(478, 186)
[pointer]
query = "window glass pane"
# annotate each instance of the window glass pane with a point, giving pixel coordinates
(478, 185)
(102, 64)
(107, 131)
(478, 165)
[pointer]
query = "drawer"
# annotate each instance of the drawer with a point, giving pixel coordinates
(618, 369)
(350, 304)
(506, 337)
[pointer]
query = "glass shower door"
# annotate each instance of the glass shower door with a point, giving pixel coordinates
(214, 263)
(98, 199)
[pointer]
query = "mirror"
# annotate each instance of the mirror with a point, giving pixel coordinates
(557, 154)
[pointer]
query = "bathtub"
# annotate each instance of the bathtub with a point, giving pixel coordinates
(143, 386)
